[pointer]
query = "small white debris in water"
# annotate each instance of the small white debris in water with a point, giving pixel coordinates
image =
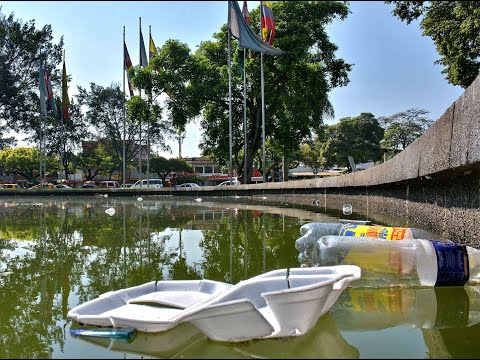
(264, 197)
(237, 197)
(198, 199)
(139, 199)
(110, 211)
(105, 195)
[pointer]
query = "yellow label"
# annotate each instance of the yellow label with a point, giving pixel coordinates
(381, 232)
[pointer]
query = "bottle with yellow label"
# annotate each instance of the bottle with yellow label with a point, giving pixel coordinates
(312, 232)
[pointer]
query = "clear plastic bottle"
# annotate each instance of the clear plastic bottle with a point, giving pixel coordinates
(312, 232)
(410, 262)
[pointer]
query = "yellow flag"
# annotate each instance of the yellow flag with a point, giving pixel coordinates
(151, 49)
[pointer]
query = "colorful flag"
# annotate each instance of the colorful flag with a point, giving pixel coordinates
(50, 98)
(245, 12)
(241, 31)
(65, 100)
(127, 63)
(152, 49)
(268, 22)
(143, 53)
(43, 91)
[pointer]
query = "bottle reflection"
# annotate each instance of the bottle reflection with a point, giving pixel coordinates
(449, 317)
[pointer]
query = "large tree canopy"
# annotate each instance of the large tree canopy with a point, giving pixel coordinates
(22, 47)
(296, 84)
(358, 137)
(454, 27)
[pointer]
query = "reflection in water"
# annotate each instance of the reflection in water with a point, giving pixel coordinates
(380, 308)
(186, 341)
(58, 252)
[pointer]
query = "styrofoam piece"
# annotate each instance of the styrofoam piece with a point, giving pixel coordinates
(274, 304)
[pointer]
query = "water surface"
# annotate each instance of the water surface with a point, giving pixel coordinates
(56, 253)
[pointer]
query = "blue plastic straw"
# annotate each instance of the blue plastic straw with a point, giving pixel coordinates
(117, 333)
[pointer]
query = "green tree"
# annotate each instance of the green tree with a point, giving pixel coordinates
(95, 160)
(22, 46)
(358, 137)
(454, 27)
(402, 128)
(163, 167)
(105, 116)
(296, 84)
(25, 161)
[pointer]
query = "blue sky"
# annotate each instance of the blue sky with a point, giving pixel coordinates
(393, 68)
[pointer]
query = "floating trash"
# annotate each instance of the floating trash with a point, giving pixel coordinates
(347, 209)
(198, 199)
(139, 199)
(110, 211)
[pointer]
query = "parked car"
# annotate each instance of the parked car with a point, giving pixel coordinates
(62, 186)
(45, 186)
(9, 186)
(126, 186)
(150, 183)
(108, 184)
(230, 182)
(89, 186)
(188, 185)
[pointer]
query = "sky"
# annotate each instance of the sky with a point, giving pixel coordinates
(393, 67)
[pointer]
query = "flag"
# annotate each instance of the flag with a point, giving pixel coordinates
(246, 37)
(268, 22)
(143, 53)
(127, 63)
(65, 100)
(152, 50)
(43, 91)
(50, 98)
(245, 12)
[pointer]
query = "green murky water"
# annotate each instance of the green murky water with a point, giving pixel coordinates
(56, 253)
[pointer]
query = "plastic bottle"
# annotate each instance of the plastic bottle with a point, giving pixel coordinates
(410, 262)
(366, 309)
(312, 232)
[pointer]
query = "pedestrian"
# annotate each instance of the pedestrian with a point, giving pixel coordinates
(173, 181)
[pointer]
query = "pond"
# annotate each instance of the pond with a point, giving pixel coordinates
(58, 252)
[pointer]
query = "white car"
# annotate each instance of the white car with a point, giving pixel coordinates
(230, 182)
(62, 186)
(188, 185)
(148, 184)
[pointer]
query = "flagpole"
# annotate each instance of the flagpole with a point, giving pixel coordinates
(149, 109)
(229, 110)
(245, 115)
(263, 101)
(140, 122)
(41, 78)
(124, 66)
(45, 144)
(62, 135)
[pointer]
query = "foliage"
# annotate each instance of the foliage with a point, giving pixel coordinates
(22, 46)
(25, 161)
(105, 117)
(95, 160)
(402, 128)
(454, 27)
(358, 137)
(164, 167)
(296, 84)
